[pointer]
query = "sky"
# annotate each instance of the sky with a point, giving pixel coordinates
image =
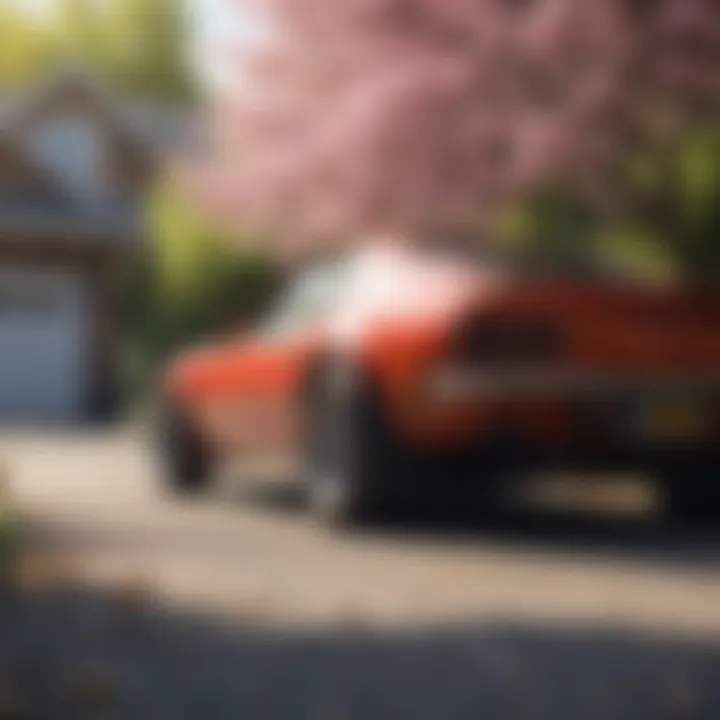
(215, 23)
(221, 23)
(214, 15)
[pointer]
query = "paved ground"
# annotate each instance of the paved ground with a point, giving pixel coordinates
(98, 499)
(257, 612)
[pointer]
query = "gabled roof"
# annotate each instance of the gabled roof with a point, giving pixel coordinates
(153, 127)
(11, 153)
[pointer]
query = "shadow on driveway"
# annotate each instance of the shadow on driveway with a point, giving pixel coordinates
(76, 652)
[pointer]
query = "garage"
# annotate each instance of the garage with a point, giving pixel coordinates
(75, 161)
(44, 331)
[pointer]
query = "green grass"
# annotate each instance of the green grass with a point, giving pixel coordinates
(9, 533)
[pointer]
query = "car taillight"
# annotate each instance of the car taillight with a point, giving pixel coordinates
(507, 341)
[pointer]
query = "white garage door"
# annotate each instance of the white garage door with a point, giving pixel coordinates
(43, 340)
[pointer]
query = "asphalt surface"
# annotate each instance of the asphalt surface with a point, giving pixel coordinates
(137, 605)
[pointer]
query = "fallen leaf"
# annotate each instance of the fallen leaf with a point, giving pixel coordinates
(133, 594)
(683, 701)
(11, 706)
(93, 690)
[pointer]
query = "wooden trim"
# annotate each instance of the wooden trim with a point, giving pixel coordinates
(25, 171)
(49, 249)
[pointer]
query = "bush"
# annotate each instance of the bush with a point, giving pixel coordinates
(9, 531)
(192, 282)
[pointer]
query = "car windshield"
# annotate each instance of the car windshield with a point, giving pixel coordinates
(306, 302)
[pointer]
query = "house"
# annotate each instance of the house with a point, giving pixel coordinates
(74, 161)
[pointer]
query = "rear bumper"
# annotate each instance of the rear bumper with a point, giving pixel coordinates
(627, 456)
(450, 384)
(487, 460)
(584, 419)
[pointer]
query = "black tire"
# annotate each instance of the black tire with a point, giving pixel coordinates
(692, 490)
(352, 463)
(186, 460)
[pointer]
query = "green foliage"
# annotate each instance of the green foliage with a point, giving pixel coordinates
(636, 252)
(668, 228)
(552, 230)
(699, 168)
(193, 282)
(679, 211)
(699, 196)
(138, 45)
(27, 46)
(10, 532)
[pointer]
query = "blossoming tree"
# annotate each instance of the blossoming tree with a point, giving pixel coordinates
(354, 116)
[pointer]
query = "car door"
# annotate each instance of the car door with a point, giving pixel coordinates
(268, 369)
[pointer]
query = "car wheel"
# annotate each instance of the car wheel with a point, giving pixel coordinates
(186, 460)
(692, 491)
(350, 458)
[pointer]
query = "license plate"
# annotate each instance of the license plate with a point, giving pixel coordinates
(674, 420)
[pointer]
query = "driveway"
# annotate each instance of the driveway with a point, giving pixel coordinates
(422, 615)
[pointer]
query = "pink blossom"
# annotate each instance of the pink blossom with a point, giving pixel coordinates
(360, 115)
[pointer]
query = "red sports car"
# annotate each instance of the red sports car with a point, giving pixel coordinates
(399, 367)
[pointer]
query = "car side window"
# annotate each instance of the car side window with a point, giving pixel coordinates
(308, 301)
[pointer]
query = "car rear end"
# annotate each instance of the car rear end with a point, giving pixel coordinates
(577, 375)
